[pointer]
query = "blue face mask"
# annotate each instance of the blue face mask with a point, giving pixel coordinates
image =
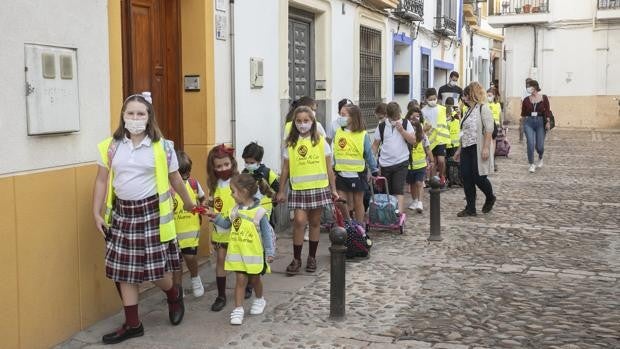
(343, 121)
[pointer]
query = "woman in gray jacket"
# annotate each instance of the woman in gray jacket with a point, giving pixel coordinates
(477, 149)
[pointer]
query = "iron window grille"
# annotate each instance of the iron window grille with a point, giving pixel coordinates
(445, 22)
(412, 10)
(370, 74)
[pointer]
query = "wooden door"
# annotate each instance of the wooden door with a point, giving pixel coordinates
(152, 59)
(300, 55)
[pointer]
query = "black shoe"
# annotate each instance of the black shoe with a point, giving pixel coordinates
(122, 334)
(466, 213)
(176, 316)
(248, 292)
(488, 205)
(219, 304)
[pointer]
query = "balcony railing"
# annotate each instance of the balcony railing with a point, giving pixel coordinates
(523, 7)
(608, 4)
(412, 10)
(445, 26)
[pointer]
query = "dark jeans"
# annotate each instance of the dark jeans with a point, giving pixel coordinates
(534, 127)
(471, 178)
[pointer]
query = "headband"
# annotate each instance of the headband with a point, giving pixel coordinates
(146, 95)
(224, 151)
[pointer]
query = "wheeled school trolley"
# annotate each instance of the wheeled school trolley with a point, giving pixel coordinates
(383, 209)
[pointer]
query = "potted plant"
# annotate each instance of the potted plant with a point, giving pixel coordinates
(527, 8)
(535, 9)
(517, 10)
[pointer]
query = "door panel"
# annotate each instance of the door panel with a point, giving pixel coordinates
(151, 59)
(300, 55)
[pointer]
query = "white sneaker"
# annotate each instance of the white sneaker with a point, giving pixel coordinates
(414, 205)
(258, 306)
(420, 208)
(540, 163)
(307, 233)
(236, 317)
(532, 168)
(197, 287)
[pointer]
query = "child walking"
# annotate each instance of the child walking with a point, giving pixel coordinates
(435, 115)
(352, 151)
(251, 244)
(307, 161)
(136, 169)
(221, 166)
(417, 167)
(267, 181)
(188, 225)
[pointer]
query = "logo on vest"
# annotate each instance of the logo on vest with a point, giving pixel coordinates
(237, 223)
(175, 203)
(302, 150)
(218, 204)
(342, 142)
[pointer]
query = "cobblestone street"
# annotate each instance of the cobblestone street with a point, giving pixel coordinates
(542, 270)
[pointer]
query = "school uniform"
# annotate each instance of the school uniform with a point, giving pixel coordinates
(141, 239)
(308, 174)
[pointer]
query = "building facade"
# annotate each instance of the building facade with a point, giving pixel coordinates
(66, 71)
(573, 50)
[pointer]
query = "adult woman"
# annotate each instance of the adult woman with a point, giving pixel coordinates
(535, 112)
(476, 148)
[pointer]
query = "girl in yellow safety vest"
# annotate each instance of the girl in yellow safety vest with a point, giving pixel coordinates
(421, 160)
(136, 169)
(494, 105)
(221, 166)
(352, 152)
(306, 160)
(251, 245)
(188, 225)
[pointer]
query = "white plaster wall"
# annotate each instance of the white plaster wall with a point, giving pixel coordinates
(222, 91)
(343, 58)
(565, 68)
(258, 110)
(70, 23)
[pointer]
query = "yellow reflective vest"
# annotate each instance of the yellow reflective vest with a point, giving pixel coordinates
(167, 230)
(455, 129)
(440, 134)
(308, 168)
(223, 202)
(349, 151)
(496, 110)
(187, 224)
(418, 157)
(245, 251)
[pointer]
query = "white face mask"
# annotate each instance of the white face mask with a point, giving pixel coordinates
(491, 98)
(432, 104)
(452, 83)
(304, 127)
(252, 167)
(530, 90)
(135, 127)
(343, 121)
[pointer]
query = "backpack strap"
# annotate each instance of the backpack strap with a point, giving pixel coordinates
(409, 146)
(112, 151)
(381, 130)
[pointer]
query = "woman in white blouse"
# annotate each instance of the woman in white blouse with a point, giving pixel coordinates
(475, 153)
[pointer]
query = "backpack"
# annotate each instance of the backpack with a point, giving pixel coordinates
(382, 130)
(502, 146)
(357, 242)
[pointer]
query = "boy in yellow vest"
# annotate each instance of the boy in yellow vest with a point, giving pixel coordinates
(188, 225)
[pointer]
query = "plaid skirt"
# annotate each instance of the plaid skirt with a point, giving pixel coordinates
(309, 199)
(133, 251)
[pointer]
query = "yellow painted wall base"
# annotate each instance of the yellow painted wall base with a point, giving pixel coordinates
(575, 111)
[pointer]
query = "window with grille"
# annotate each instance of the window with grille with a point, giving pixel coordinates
(370, 74)
(424, 76)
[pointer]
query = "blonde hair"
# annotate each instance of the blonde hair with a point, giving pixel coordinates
(476, 93)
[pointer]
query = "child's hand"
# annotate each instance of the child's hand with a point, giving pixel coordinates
(100, 224)
(269, 259)
(280, 197)
(335, 195)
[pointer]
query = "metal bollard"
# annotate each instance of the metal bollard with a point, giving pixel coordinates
(435, 211)
(337, 281)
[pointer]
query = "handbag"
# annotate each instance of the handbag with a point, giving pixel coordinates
(550, 115)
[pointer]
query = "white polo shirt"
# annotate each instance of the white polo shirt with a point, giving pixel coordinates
(394, 149)
(134, 169)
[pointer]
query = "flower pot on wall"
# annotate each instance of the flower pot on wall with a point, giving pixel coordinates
(527, 8)
(535, 9)
(517, 10)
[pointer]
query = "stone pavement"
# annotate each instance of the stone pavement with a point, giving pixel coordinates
(542, 270)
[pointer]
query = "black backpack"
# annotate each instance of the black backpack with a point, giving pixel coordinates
(382, 130)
